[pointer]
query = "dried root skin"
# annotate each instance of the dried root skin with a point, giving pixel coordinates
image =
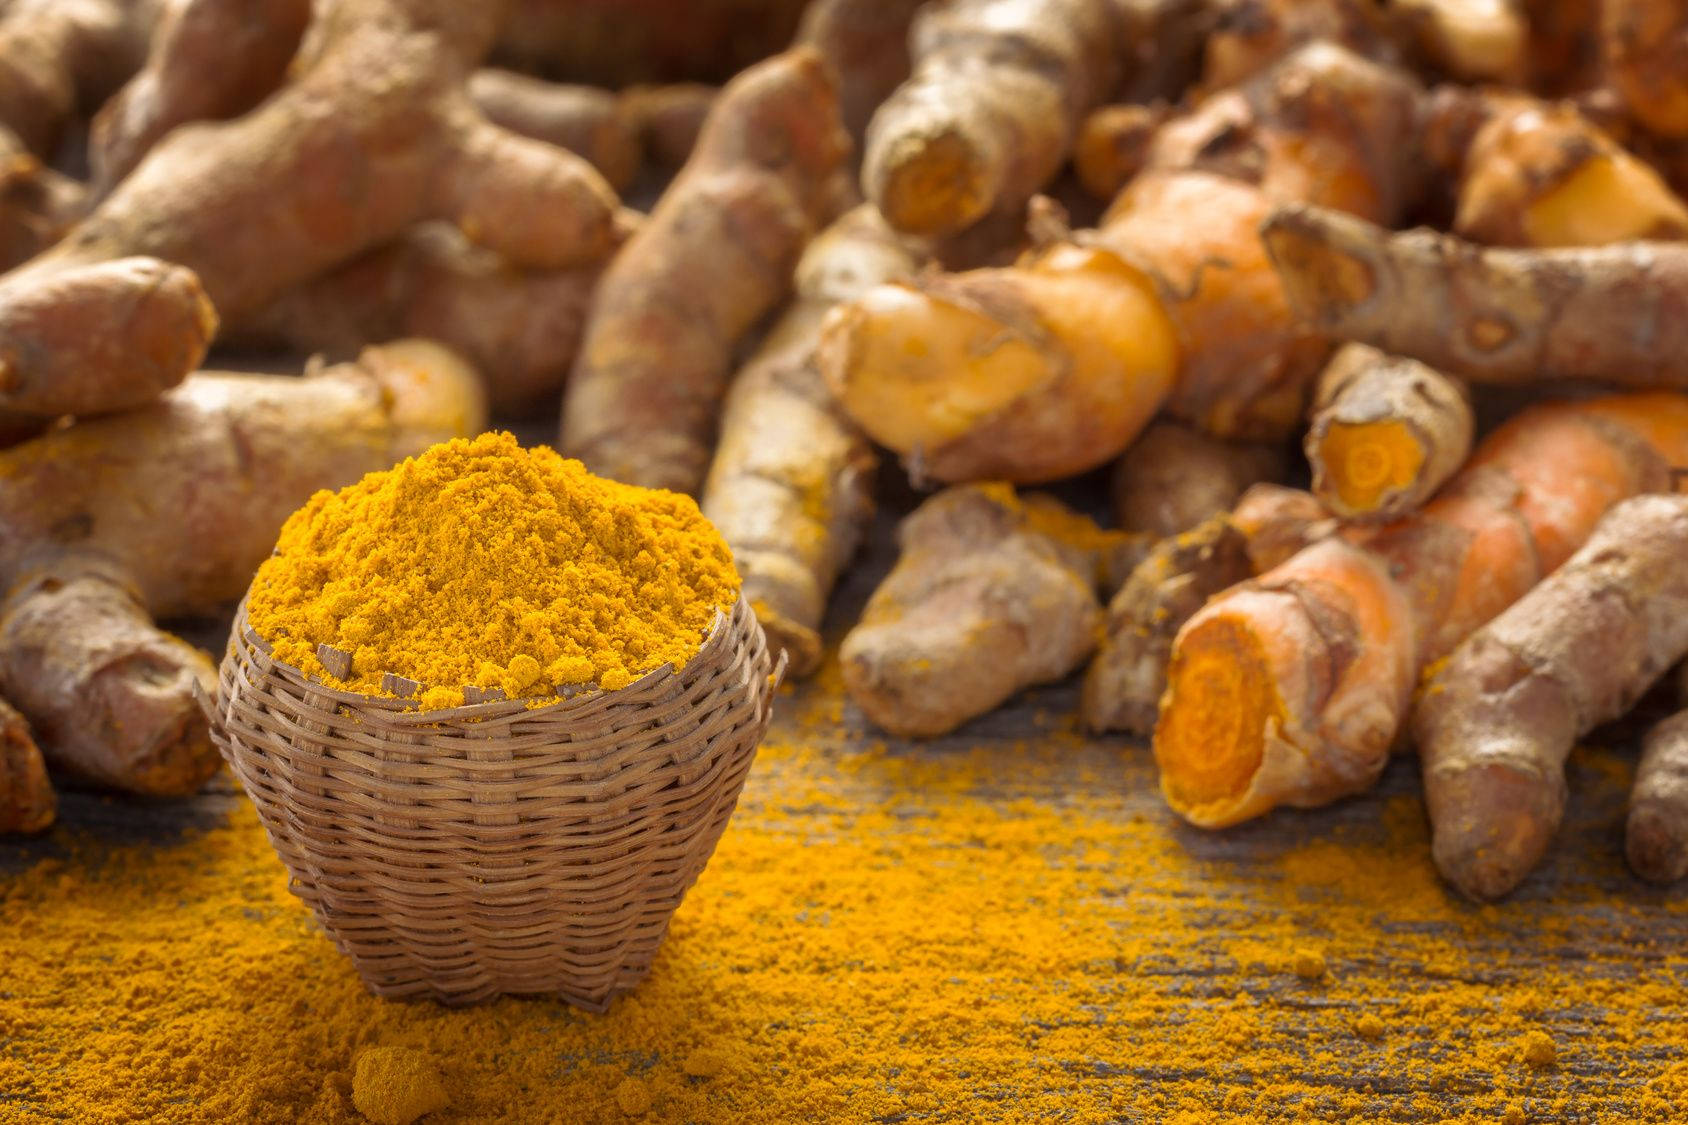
(1278, 522)
(1644, 44)
(998, 90)
(110, 695)
(1175, 477)
(669, 119)
(57, 356)
(166, 511)
(1127, 677)
(433, 282)
(37, 204)
(1512, 317)
(791, 485)
(978, 607)
(1541, 174)
(716, 254)
(1497, 719)
(1250, 35)
(588, 121)
(58, 56)
(251, 41)
(1385, 434)
(1656, 833)
(27, 800)
(1329, 643)
(866, 43)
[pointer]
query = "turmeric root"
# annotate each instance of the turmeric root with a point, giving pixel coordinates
(790, 487)
(1174, 477)
(61, 56)
(716, 254)
(1644, 46)
(1608, 313)
(866, 43)
(27, 801)
(166, 511)
(519, 328)
(375, 135)
(1290, 689)
(1496, 720)
(1541, 174)
(591, 122)
(669, 119)
(252, 42)
(37, 204)
(1054, 366)
(1250, 35)
(991, 594)
(1656, 832)
(1127, 677)
(1471, 40)
(988, 115)
(1113, 146)
(1385, 434)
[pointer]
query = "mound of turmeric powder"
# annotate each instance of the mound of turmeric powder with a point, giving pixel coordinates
(484, 564)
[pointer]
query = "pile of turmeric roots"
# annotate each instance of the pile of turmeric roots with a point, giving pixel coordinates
(1425, 257)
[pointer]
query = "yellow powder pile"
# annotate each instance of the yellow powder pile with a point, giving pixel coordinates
(1001, 932)
(483, 564)
(396, 1085)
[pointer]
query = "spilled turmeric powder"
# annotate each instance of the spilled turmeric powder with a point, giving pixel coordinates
(480, 563)
(977, 929)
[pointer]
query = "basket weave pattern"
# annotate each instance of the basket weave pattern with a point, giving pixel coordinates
(494, 849)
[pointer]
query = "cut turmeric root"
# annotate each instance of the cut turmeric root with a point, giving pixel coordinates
(1291, 689)
(1498, 717)
(1385, 434)
(1617, 314)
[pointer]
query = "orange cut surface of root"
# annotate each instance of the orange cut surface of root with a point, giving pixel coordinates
(1367, 462)
(1209, 754)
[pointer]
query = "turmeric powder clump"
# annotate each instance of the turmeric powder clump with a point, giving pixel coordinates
(396, 1085)
(486, 565)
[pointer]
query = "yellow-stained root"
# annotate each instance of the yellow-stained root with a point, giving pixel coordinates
(1341, 631)
(1644, 45)
(1026, 374)
(1127, 676)
(1113, 146)
(166, 511)
(1656, 832)
(27, 801)
(1496, 720)
(1541, 174)
(590, 122)
(791, 485)
(1250, 35)
(1384, 434)
(1174, 477)
(989, 596)
(716, 254)
(996, 96)
(1470, 40)
(1617, 314)
(433, 282)
(866, 43)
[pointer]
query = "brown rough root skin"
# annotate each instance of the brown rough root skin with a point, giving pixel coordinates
(1278, 522)
(27, 801)
(996, 96)
(1174, 477)
(1127, 677)
(978, 607)
(1644, 45)
(61, 56)
(37, 204)
(866, 43)
(374, 135)
(1617, 314)
(433, 282)
(1496, 721)
(586, 120)
(210, 60)
(791, 485)
(715, 255)
(166, 511)
(1656, 833)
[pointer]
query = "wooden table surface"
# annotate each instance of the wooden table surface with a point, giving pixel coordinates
(1203, 1015)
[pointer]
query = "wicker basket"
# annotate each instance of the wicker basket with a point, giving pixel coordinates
(493, 849)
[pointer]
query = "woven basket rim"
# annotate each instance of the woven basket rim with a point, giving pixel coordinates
(407, 708)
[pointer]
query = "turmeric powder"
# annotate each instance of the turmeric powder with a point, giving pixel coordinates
(480, 563)
(988, 929)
